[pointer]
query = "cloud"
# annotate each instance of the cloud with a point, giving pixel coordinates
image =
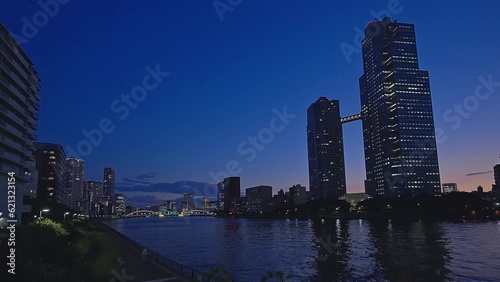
(141, 179)
(478, 173)
(143, 193)
(146, 176)
(128, 181)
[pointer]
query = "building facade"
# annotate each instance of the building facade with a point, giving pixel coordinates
(228, 194)
(119, 204)
(187, 203)
(108, 194)
(396, 107)
(259, 199)
(92, 195)
(19, 105)
(76, 172)
(298, 194)
(496, 173)
(449, 187)
(52, 174)
(325, 148)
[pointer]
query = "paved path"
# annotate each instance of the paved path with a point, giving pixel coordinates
(135, 269)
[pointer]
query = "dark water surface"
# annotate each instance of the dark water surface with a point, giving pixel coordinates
(329, 250)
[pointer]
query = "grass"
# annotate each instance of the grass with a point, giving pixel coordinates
(99, 255)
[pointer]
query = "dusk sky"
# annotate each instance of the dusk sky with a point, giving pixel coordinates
(226, 77)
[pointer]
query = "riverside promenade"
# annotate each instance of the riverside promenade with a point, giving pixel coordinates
(155, 268)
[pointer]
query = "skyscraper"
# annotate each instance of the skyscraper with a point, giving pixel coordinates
(52, 173)
(187, 203)
(496, 172)
(19, 104)
(92, 197)
(398, 123)
(228, 194)
(75, 180)
(325, 149)
(108, 186)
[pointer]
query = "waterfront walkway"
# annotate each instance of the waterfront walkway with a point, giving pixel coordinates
(135, 269)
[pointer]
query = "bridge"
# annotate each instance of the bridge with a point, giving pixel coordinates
(198, 213)
(141, 213)
(351, 118)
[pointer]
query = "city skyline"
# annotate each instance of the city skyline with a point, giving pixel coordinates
(281, 158)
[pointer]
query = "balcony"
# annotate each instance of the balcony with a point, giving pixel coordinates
(16, 159)
(12, 130)
(12, 144)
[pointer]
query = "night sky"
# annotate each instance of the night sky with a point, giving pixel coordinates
(226, 77)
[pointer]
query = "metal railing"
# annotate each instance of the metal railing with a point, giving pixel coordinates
(176, 267)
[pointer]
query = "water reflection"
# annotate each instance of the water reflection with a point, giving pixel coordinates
(409, 251)
(333, 244)
(329, 250)
(382, 250)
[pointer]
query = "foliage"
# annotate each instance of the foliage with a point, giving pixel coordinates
(53, 226)
(220, 274)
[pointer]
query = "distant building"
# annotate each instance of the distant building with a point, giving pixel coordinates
(119, 204)
(259, 199)
(108, 184)
(279, 200)
(496, 172)
(75, 181)
(19, 106)
(187, 203)
(172, 205)
(298, 195)
(153, 208)
(92, 197)
(480, 189)
(449, 187)
(130, 209)
(228, 195)
(325, 149)
(52, 174)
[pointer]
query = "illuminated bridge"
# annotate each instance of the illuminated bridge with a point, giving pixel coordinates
(141, 213)
(351, 118)
(198, 213)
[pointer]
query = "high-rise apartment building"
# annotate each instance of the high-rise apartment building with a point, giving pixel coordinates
(325, 149)
(92, 197)
(396, 107)
(259, 199)
(228, 195)
(75, 181)
(119, 204)
(52, 173)
(19, 104)
(108, 194)
(187, 203)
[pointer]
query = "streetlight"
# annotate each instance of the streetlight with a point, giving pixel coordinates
(44, 210)
(66, 213)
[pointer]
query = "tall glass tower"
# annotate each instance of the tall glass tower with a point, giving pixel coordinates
(325, 150)
(398, 123)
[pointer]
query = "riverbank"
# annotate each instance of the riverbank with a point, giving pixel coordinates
(131, 265)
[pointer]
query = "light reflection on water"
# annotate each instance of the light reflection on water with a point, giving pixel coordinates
(326, 250)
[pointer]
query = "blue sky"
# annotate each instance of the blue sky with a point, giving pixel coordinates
(226, 77)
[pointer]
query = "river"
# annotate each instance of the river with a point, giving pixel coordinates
(329, 250)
